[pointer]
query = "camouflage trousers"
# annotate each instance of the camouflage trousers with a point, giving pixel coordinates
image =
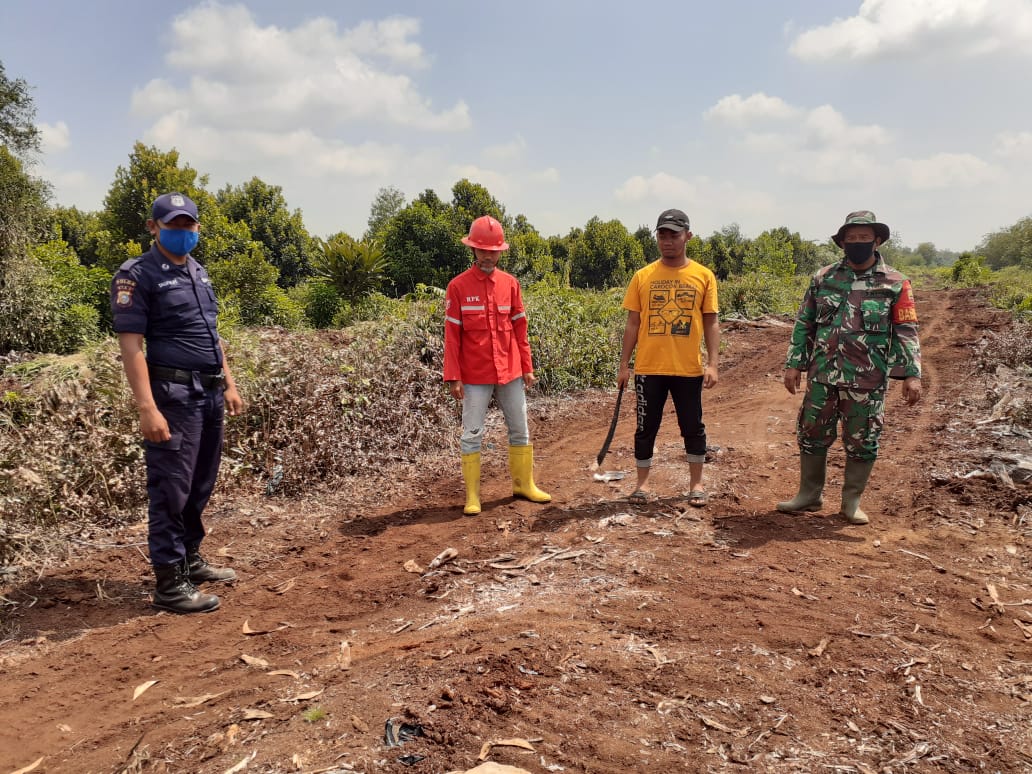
(861, 412)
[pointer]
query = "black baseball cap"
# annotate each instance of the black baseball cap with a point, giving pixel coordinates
(673, 220)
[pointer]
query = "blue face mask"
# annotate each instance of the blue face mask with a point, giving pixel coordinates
(178, 241)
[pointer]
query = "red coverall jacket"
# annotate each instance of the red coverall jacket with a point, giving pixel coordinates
(485, 329)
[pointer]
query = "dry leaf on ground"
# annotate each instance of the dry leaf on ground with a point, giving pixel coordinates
(486, 749)
(195, 701)
(143, 687)
(31, 767)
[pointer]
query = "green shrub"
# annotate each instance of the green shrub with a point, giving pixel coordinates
(375, 306)
(970, 271)
(1011, 289)
(575, 336)
(755, 294)
(320, 301)
(51, 303)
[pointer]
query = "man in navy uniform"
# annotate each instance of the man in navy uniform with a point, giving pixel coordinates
(182, 387)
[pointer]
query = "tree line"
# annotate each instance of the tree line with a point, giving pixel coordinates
(56, 262)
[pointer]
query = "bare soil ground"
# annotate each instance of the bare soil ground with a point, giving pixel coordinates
(610, 636)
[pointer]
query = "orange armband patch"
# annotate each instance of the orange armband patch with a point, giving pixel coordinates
(904, 310)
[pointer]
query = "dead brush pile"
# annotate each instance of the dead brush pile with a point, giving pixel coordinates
(322, 409)
(332, 405)
(1006, 356)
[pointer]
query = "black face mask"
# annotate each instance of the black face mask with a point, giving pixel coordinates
(858, 253)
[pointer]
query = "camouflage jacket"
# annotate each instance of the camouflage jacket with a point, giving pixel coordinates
(856, 330)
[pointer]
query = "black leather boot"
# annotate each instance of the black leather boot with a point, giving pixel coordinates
(175, 592)
(202, 572)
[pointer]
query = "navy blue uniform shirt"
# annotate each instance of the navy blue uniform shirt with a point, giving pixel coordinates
(173, 306)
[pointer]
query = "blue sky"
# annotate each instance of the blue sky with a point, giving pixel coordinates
(742, 111)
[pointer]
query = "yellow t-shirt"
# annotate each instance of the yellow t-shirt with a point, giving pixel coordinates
(671, 303)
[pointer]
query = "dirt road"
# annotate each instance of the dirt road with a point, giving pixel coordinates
(610, 636)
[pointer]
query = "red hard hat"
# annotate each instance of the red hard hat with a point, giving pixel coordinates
(486, 233)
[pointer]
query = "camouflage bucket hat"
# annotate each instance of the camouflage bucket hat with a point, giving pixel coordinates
(862, 218)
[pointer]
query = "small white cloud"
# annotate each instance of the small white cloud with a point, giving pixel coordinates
(1015, 145)
(825, 126)
(659, 186)
(54, 138)
(767, 142)
(547, 175)
(945, 170)
(506, 151)
(918, 28)
(832, 166)
(736, 111)
(809, 129)
(498, 184)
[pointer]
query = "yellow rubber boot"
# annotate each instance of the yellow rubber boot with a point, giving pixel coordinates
(471, 475)
(521, 466)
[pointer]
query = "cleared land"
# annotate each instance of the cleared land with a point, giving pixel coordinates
(612, 637)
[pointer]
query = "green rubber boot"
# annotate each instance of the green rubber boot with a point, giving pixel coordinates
(812, 469)
(853, 485)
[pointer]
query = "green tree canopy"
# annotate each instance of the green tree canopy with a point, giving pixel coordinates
(606, 256)
(772, 253)
(649, 246)
(422, 246)
(387, 203)
(150, 173)
(264, 209)
(471, 201)
(23, 206)
(1010, 246)
(18, 130)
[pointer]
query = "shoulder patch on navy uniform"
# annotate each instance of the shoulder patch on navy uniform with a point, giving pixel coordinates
(130, 263)
(123, 291)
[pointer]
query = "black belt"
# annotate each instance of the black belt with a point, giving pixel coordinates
(179, 376)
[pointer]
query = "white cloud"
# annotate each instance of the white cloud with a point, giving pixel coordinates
(547, 175)
(659, 186)
(701, 191)
(506, 151)
(831, 166)
(811, 130)
(1016, 145)
(945, 170)
(238, 76)
(736, 111)
(54, 137)
(825, 127)
(498, 184)
(301, 150)
(921, 28)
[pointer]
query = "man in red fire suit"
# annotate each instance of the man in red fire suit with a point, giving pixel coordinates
(486, 352)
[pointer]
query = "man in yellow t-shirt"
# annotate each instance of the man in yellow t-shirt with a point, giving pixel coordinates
(671, 309)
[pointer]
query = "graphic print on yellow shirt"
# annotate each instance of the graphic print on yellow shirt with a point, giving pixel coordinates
(671, 303)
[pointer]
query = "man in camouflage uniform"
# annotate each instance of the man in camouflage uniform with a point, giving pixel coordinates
(856, 328)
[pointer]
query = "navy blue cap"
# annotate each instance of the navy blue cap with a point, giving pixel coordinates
(168, 206)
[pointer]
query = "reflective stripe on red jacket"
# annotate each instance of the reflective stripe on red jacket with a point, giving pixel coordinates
(485, 329)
